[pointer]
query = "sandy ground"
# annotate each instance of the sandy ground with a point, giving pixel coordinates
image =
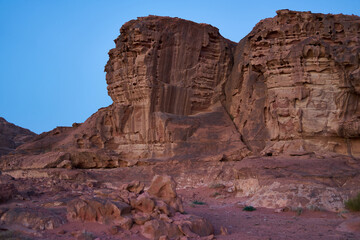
(230, 222)
(216, 204)
(225, 211)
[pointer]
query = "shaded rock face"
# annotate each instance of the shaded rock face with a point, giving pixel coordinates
(12, 136)
(295, 84)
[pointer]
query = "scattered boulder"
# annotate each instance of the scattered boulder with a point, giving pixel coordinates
(96, 210)
(157, 210)
(155, 229)
(192, 225)
(135, 187)
(164, 188)
(143, 203)
(125, 223)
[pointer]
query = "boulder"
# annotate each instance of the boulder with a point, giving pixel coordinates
(143, 203)
(164, 188)
(155, 229)
(96, 210)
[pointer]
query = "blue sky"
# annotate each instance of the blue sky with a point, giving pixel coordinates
(53, 52)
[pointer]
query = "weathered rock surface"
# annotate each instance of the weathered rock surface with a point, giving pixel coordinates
(295, 84)
(97, 210)
(186, 103)
(33, 218)
(166, 78)
(158, 210)
(181, 90)
(12, 136)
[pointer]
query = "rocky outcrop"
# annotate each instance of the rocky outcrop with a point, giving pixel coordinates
(182, 91)
(295, 84)
(158, 211)
(12, 136)
(166, 78)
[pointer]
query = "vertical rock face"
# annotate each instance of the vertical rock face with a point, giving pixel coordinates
(295, 84)
(168, 65)
(166, 78)
(181, 90)
(162, 72)
(12, 136)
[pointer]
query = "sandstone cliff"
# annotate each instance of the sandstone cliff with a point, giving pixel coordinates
(190, 104)
(182, 91)
(12, 136)
(295, 84)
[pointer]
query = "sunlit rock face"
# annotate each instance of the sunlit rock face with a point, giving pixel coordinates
(168, 65)
(295, 84)
(181, 91)
(162, 72)
(166, 78)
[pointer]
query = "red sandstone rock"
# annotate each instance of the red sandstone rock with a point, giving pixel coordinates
(185, 102)
(96, 210)
(295, 84)
(164, 187)
(154, 229)
(143, 203)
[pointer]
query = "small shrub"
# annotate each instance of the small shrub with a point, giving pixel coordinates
(315, 208)
(196, 202)
(353, 204)
(299, 211)
(249, 208)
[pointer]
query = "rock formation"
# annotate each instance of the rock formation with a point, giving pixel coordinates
(295, 84)
(181, 90)
(187, 106)
(12, 136)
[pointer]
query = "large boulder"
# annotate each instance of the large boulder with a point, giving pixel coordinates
(164, 188)
(96, 210)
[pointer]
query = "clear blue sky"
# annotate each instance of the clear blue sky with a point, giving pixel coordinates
(53, 52)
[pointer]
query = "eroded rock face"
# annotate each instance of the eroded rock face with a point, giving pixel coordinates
(295, 84)
(170, 65)
(182, 91)
(12, 136)
(166, 78)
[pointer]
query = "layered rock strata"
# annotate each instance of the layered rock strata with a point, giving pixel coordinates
(180, 90)
(295, 84)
